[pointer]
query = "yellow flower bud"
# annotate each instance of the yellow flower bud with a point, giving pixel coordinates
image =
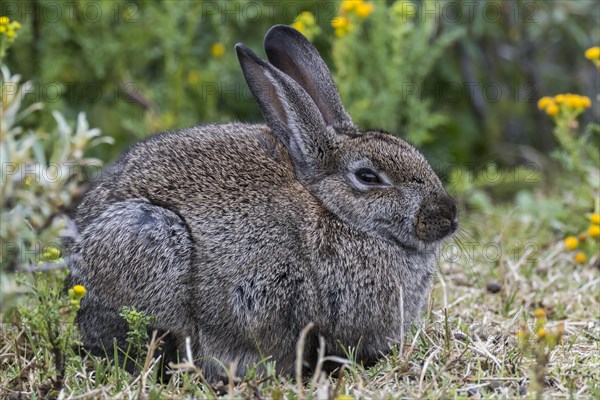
(4, 20)
(560, 98)
(364, 10)
(571, 101)
(593, 53)
(594, 231)
(571, 243)
(307, 18)
(15, 25)
(217, 50)
(542, 333)
(299, 26)
(51, 254)
(595, 219)
(552, 110)
(580, 257)
(340, 22)
(544, 102)
(79, 291)
(349, 5)
(539, 313)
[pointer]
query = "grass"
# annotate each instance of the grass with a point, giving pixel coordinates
(501, 267)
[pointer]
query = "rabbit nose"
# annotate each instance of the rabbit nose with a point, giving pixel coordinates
(447, 207)
(437, 219)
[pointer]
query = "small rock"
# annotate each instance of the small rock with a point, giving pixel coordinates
(495, 384)
(493, 286)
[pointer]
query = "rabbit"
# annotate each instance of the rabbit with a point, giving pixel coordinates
(240, 235)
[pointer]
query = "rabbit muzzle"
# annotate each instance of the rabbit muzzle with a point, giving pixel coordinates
(437, 219)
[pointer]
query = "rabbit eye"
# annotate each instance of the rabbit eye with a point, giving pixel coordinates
(368, 177)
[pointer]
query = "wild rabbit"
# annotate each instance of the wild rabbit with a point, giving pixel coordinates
(239, 235)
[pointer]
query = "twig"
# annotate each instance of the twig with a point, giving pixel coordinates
(300, 358)
(231, 378)
(320, 362)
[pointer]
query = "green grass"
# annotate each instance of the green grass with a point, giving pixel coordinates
(466, 346)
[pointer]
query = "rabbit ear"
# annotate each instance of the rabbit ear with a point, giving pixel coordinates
(289, 51)
(290, 113)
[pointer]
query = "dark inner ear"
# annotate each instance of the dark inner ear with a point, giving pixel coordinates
(295, 56)
(302, 75)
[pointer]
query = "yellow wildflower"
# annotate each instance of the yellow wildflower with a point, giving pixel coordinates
(340, 22)
(539, 313)
(595, 218)
(586, 102)
(552, 110)
(15, 25)
(560, 98)
(594, 231)
(571, 101)
(566, 99)
(217, 50)
(79, 291)
(349, 5)
(593, 53)
(299, 26)
(344, 397)
(4, 20)
(576, 101)
(544, 102)
(10, 33)
(51, 254)
(542, 333)
(363, 10)
(571, 243)
(306, 24)
(580, 257)
(2, 29)
(341, 25)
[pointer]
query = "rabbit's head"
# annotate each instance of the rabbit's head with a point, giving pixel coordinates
(372, 181)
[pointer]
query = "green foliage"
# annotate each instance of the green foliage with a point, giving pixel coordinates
(138, 324)
(47, 320)
(43, 173)
(383, 62)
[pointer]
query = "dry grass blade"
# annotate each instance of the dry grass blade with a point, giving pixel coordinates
(300, 358)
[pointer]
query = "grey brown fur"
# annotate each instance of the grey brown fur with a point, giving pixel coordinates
(239, 235)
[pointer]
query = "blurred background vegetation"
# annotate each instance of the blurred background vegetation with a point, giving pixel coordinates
(501, 96)
(460, 79)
